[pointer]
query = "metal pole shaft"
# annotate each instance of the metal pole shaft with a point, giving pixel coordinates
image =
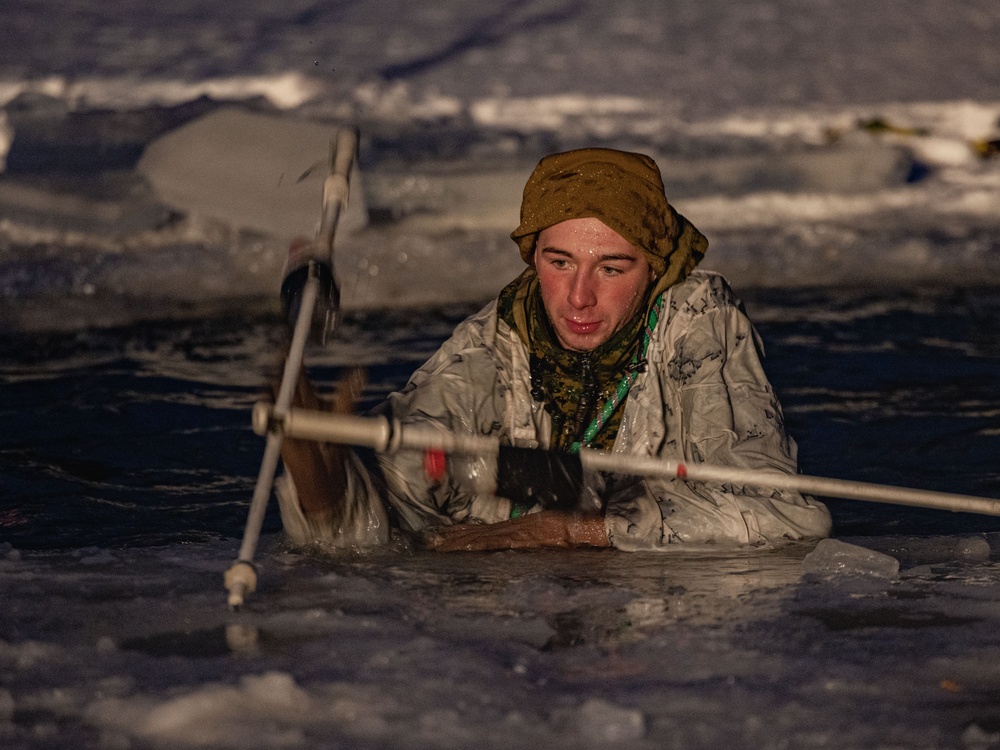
(810, 485)
(377, 433)
(283, 404)
(241, 578)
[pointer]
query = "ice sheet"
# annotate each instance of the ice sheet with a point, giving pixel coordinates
(502, 650)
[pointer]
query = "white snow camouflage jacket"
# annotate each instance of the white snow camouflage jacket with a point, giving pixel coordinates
(703, 397)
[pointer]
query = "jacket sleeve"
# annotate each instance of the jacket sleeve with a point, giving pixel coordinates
(720, 409)
(458, 391)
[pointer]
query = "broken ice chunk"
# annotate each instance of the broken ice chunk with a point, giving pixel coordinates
(601, 722)
(975, 737)
(6, 705)
(834, 557)
(972, 548)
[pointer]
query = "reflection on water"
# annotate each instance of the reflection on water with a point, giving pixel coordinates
(584, 597)
(886, 617)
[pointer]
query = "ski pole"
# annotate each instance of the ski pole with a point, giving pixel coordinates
(382, 435)
(301, 298)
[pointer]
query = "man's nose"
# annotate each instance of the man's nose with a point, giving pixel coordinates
(582, 292)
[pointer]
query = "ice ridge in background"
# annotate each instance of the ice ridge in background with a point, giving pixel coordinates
(788, 198)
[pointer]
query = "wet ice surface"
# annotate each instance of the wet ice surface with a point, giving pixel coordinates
(118, 649)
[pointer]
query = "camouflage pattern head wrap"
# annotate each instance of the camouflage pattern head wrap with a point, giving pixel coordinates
(625, 192)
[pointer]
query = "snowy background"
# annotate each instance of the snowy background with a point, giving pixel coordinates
(814, 142)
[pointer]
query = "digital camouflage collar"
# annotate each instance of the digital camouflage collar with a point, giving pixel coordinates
(572, 385)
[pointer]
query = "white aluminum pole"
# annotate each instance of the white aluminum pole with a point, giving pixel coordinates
(241, 578)
(378, 433)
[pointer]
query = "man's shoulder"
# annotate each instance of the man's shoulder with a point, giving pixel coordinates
(479, 329)
(703, 291)
(484, 333)
(470, 345)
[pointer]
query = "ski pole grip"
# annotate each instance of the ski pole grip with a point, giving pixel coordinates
(344, 150)
(336, 187)
(346, 429)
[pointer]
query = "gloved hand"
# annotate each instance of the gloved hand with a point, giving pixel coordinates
(549, 528)
(300, 254)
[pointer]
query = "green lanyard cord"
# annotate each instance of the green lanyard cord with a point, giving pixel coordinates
(520, 508)
(624, 385)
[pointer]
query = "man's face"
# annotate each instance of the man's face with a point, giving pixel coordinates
(592, 281)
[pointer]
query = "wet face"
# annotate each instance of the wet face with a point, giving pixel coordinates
(592, 281)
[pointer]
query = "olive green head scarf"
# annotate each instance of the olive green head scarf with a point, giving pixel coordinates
(625, 192)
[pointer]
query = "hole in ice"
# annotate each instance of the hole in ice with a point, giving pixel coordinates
(838, 620)
(579, 628)
(206, 643)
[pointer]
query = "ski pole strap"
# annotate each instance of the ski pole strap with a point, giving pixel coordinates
(530, 477)
(294, 283)
(625, 384)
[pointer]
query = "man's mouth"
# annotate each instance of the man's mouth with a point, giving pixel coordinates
(582, 328)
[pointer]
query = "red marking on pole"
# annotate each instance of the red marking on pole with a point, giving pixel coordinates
(682, 471)
(434, 465)
(297, 251)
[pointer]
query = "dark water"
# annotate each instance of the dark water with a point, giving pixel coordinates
(897, 387)
(140, 436)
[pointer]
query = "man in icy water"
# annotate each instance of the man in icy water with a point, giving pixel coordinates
(609, 339)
